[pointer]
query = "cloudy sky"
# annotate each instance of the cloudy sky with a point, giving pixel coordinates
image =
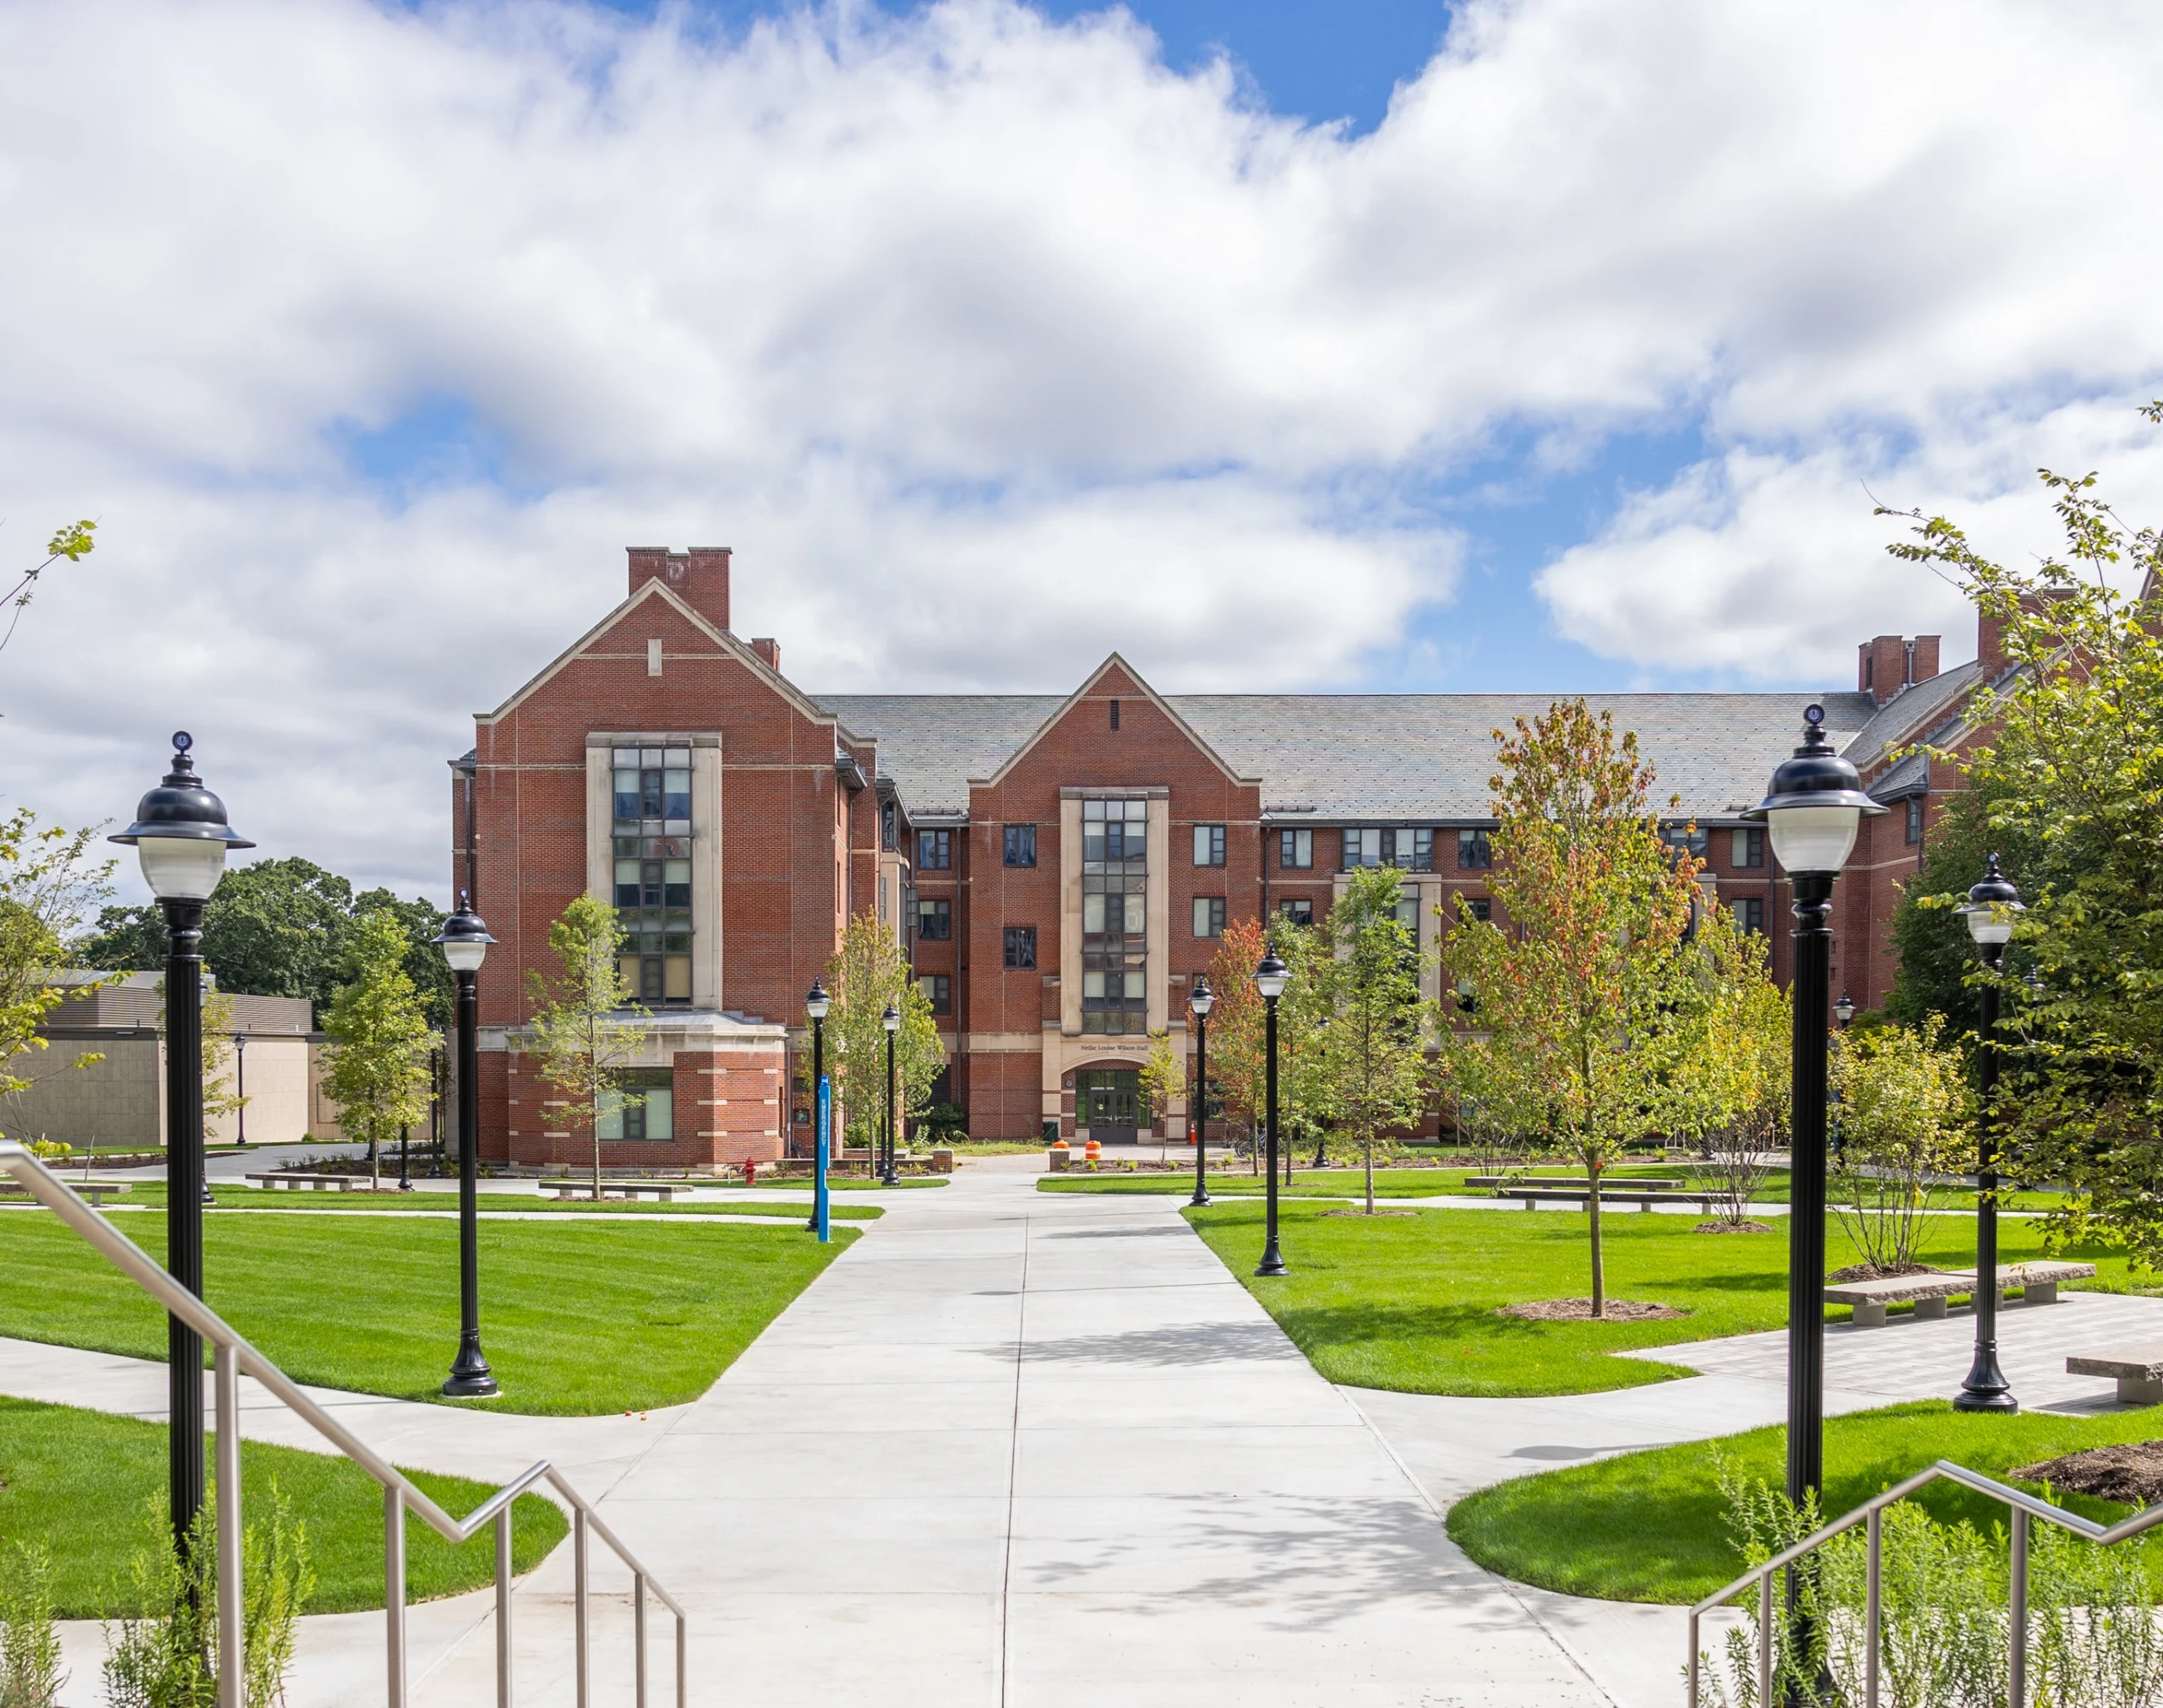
(1556, 345)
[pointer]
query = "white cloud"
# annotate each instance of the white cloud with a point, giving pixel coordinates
(991, 344)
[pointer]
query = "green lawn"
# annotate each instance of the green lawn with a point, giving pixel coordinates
(90, 1487)
(1654, 1526)
(578, 1319)
(152, 1195)
(1408, 1301)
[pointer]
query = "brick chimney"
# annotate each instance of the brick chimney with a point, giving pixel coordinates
(769, 649)
(698, 575)
(1888, 664)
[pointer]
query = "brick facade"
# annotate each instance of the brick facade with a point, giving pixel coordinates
(808, 828)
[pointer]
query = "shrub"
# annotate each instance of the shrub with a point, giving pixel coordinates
(29, 1640)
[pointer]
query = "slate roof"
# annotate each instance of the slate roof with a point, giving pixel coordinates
(1910, 715)
(1382, 758)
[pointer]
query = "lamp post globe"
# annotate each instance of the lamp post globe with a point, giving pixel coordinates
(1844, 1009)
(464, 941)
(1811, 814)
(181, 839)
(1270, 978)
(891, 1020)
(1200, 999)
(1994, 909)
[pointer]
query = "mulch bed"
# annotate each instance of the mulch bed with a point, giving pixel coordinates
(1366, 1216)
(1864, 1272)
(1580, 1311)
(1731, 1227)
(2130, 1473)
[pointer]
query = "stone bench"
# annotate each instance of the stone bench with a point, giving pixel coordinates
(97, 1191)
(2138, 1369)
(666, 1190)
(1530, 1195)
(1928, 1293)
(314, 1183)
(1560, 1183)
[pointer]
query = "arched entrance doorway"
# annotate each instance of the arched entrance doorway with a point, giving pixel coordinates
(1109, 1105)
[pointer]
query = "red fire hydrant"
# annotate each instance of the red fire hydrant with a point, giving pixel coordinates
(751, 1171)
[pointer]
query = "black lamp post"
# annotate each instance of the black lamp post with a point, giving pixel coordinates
(464, 941)
(405, 1175)
(891, 1020)
(816, 1002)
(1992, 905)
(1812, 811)
(180, 837)
(240, 1093)
(1200, 1001)
(1270, 979)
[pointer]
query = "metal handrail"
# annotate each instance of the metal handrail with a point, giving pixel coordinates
(2025, 1508)
(235, 1356)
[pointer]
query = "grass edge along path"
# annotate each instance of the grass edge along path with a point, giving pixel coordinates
(91, 1489)
(1410, 1301)
(1653, 1525)
(152, 1195)
(580, 1318)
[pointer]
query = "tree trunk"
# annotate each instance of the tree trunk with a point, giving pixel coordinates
(375, 1172)
(1598, 1264)
(1370, 1173)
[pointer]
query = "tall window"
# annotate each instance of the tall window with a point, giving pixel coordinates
(1297, 909)
(1692, 838)
(1747, 847)
(890, 826)
(1408, 909)
(1115, 917)
(1021, 947)
(650, 833)
(1473, 853)
(1483, 910)
(935, 850)
(1208, 916)
(1021, 845)
(1915, 819)
(1749, 914)
(1362, 848)
(939, 990)
(1295, 850)
(1209, 844)
(641, 1108)
(935, 920)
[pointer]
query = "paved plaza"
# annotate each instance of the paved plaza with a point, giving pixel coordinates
(1027, 1450)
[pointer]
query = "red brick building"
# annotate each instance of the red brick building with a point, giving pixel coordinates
(1058, 867)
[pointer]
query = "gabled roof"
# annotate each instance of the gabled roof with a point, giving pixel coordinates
(1911, 715)
(721, 639)
(1352, 758)
(1111, 663)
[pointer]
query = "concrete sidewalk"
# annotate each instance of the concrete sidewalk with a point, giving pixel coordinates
(1037, 1450)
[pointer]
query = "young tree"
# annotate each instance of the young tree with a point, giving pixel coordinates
(1235, 1026)
(1732, 1082)
(2069, 787)
(1372, 1043)
(48, 884)
(1578, 977)
(379, 1071)
(1163, 1075)
(1905, 1123)
(589, 1030)
(866, 974)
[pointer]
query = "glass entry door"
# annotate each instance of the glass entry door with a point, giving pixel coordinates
(1109, 1105)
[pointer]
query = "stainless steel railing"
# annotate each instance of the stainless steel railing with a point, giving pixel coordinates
(2024, 1508)
(235, 1357)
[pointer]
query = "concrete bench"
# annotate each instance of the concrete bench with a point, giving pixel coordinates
(2138, 1369)
(1560, 1183)
(2038, 1283)
(1530, 1195)
(666, 1190)
(314, 1183)
(97, 1191)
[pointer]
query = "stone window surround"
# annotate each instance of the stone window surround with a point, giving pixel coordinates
(1158, 895)
(705, 841)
